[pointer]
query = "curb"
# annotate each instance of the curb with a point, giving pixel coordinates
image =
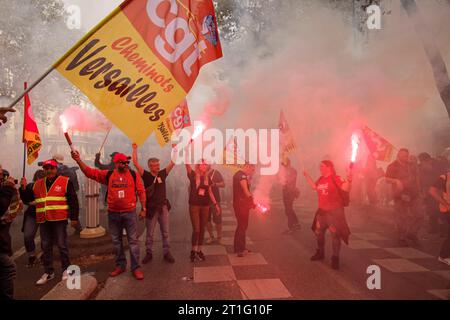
(61, 292)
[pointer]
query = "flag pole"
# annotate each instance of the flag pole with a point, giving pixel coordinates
(68, 53)
(104, 140)
(23, 135)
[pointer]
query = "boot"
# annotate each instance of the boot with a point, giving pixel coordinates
(318, 256)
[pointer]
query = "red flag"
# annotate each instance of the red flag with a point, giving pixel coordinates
(30, 131)
(379, 147)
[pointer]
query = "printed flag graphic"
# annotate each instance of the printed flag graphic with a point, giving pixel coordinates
(179, 119)
(379, 147)
(139, 63)
(30, 131)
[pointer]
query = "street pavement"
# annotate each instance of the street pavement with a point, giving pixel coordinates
(277, 268)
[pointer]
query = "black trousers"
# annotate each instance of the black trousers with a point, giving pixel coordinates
(7, 276)
(288, 200)
(242, 213)
(54, 233)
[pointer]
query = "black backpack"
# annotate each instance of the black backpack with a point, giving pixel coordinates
(108, 175)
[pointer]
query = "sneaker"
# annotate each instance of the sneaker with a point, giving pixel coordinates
(444, 260)
(138, 274)
(209, 240)
(148, 257)
(318, 256)
(45, 278)
(335, 263)
(64, 276)
(201, 256)
(169, 258)
(117, 271)
(32, 261)
(193, 255)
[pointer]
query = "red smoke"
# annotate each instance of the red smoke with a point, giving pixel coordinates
(82, 120)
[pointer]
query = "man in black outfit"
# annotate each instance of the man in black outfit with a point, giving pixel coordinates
(157, 204)
(290, 193)
(242, 203)
(7, 266)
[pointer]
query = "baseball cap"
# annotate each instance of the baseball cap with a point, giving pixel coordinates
(113, 154)
(120, 157)
(50, 162)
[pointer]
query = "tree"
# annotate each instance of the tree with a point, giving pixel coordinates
(33, 35)
(440, 72)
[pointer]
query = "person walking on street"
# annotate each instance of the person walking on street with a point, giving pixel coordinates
(290, 193)
(56, 202)
(30, 226)
(158, 205)
(242, 203)
(332, 193)
(7, 266)
(214, 216)
(403, 176)
(122, 186)
(440, 191)
(200, 196)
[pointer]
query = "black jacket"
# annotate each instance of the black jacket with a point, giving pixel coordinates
(6, 194)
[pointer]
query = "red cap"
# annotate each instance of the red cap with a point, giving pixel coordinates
(50, 162)
(120, 157)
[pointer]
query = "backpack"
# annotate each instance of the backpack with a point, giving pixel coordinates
(108, 175)
(345, 195)
(70, 173)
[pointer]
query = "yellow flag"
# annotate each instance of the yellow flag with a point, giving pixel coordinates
(141, 61)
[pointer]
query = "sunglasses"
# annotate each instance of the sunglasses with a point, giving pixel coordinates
(124, 162)
(49, 168)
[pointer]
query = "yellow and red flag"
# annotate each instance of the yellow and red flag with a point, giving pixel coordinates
(179, 119)
(232, 157)
(379, 147)
(287, 143)
(31, 135)
(140, 62)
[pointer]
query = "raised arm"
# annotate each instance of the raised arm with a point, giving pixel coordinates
(434, 192)
(309, 180)
(135, 160)
(91, 173)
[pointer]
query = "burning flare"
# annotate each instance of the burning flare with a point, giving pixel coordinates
(199, 128)
(262, 208)
(65, 128)
(355, 146)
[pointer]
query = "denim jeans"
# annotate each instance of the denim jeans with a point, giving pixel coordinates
(54, 233)
(30, 228)
(117, 221)
(7, 276)
(162, 217)
(242, 214)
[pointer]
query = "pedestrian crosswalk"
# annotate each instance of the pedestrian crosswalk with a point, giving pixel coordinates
(232, 268)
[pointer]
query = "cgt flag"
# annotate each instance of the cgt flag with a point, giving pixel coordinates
(140, 62)
(31, 135)
(179, 119)
(287, 144)
(379, 148)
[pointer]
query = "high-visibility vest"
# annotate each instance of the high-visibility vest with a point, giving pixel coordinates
(51, 205)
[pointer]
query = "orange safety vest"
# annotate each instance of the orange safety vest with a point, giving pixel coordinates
(51, 205)
(446, 193)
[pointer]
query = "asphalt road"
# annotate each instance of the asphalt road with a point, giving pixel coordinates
(277, 268)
